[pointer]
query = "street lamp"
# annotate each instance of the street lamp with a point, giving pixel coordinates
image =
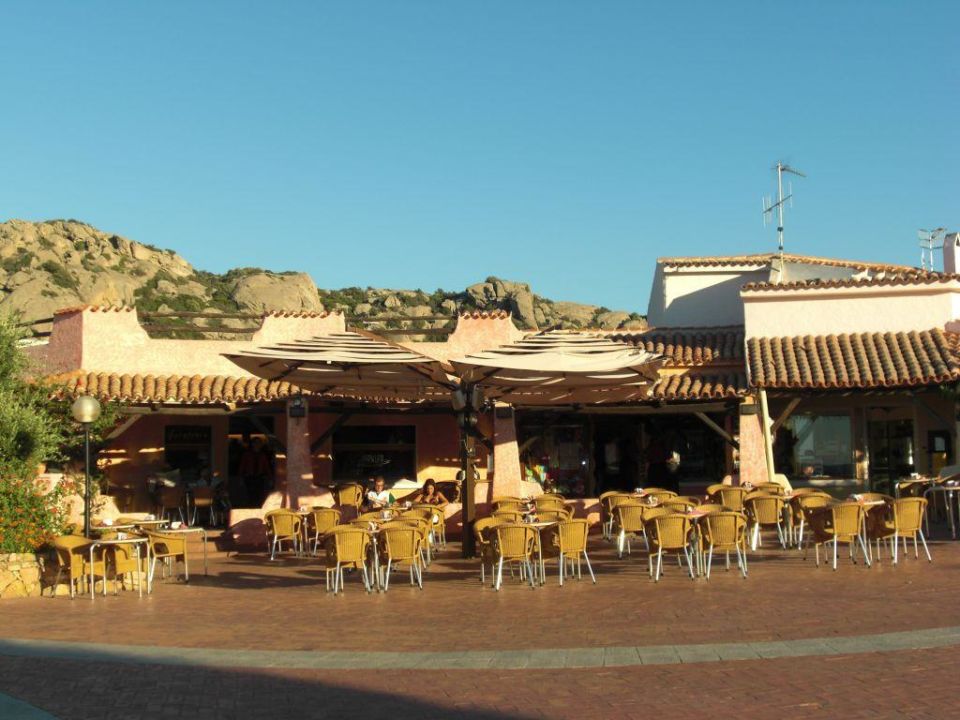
(86, 410)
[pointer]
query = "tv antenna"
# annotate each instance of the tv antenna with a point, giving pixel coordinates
(930, 240)
(769, 207)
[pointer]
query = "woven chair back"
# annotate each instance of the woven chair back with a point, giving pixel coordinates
(552, 515)
(715, 488)
(677, 504)
(325, 519)
(509, 504)
(514, 516)
(348, 544)
(515, 541)
(908, 514)
(572, 536)
(730, 495)
(283, 523)
(846, 519)
(724, 529)
(550, 503)
(401, 542)
(770, 488)
(765, 508)
(630, 516)
(658, 494)
(350, 495)
(671, 531)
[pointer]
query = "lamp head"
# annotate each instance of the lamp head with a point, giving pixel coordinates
(85, 409)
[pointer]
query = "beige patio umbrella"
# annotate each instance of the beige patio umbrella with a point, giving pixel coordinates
(561, 368)
(349, 364)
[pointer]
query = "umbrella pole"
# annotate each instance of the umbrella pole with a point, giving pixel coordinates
(468, 485)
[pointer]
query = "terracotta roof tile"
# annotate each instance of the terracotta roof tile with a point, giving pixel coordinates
(301, 313)
(93, 308)
(908, 277)
(700, 386)
(185, 389)
(691, 347)
(856, 360)
(485, 314)
(763, 259)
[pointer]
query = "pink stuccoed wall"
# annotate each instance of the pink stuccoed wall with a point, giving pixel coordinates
(111, 340)
(753, 459)
(472, 334)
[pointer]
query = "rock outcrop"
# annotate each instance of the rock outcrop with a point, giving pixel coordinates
(45, 266)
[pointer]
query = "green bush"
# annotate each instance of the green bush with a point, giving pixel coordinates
(33, 429)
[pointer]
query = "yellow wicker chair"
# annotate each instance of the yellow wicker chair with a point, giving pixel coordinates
(712, 508)
(725, 531)
(514, 544)
(628, 523)
(322, 521)
(609, 501)
(350, 496)
(568, 543)
(770, 488)
(439, 520)
(550, 502)
(906, 521)
(764, 510)
(425, 527)
(513, 516)
(283, 526)
(837, 523)
(400, 543)
(203, 498)
(123, 561)
(509, 505)
(170, 498)
(731, 496)
(73, 557)
(346, 547)
(552, 496)
(668, 533)
(715, 488)
(799, 505)
(553, 515)
(680, 504)
(169, 547)
(658, 494)
(486, 546)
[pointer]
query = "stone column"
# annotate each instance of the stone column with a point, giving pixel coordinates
(753, 458)
(299, 467)
(507, 475)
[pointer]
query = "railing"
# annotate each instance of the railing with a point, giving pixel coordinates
(186, 324)
(380, 325)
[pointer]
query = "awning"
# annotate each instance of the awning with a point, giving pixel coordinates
(562, 368)
(348, 364)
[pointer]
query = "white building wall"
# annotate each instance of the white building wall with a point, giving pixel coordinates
(850, 310)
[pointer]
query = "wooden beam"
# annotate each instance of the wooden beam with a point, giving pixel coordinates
(765, 427)
(172, 314)
(156, 327)
(258, 424)
(128, 422)
(708, 421)
(784, 416)
(336, 425)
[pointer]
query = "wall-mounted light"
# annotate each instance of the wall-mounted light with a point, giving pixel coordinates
(297, 407)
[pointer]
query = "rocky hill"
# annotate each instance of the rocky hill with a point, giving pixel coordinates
(48, 265)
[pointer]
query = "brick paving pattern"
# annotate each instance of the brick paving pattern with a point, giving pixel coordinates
(250, 604)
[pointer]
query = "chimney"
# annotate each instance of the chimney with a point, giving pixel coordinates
(951, 253)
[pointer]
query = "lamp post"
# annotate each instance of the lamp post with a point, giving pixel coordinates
(86, 410)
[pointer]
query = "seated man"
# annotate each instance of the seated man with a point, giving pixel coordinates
(379, 497)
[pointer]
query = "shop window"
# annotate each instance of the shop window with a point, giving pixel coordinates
(364, 451)
(817, 445)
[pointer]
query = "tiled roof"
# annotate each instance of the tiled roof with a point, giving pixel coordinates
(483, 314)
(689, 346)
(763, 259)
(862, 360)
(908, 277)
(695, 385)
(301, 313)
(191, 389)
(93, 308)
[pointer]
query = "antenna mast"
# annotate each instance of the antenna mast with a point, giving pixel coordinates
(769, 207)
(930, 240)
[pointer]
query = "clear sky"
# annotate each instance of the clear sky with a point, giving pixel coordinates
(433, 143)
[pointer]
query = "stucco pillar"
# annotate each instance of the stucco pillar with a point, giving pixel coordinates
(299, 468)
(507, 475)
(753, 455)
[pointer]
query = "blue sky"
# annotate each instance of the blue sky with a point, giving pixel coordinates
(425, 144)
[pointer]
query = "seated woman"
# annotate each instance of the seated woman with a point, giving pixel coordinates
(429, 495)
(379, 497)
